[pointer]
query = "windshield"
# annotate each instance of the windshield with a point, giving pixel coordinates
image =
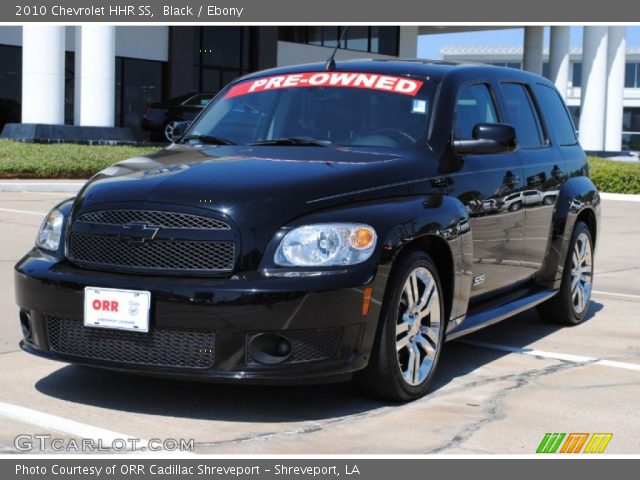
(319, 108)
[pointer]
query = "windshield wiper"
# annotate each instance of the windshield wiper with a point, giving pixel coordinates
(208, 139)
(296, 141)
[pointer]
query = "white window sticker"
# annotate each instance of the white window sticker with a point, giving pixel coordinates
(419, 106)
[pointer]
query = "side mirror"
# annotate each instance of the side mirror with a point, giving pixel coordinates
(488, 138)
(179, 129)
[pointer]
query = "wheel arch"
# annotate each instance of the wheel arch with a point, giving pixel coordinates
(578, 200)
(440, 253)
(440, 228)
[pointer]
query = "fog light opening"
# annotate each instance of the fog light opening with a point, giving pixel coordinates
(25, 323)
(269, 348)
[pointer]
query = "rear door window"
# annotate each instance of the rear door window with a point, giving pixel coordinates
(556, 115)
(523, 116)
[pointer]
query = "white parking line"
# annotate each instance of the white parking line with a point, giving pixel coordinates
(612, 294)
(553, 355)
(28, 212)
(53, 422)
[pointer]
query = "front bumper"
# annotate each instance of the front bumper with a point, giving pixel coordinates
(321, 317)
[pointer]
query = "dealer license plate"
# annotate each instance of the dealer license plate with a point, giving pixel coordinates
(117, 309)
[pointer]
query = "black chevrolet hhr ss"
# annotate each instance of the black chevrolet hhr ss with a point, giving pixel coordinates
(318, 223)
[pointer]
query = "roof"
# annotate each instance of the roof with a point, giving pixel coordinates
(435, 69)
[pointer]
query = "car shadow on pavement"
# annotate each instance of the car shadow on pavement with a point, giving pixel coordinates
(255, 403)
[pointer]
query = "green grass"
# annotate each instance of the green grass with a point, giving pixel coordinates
(31, 160)
(615, 177)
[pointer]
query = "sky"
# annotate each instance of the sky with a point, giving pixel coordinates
(429, 45)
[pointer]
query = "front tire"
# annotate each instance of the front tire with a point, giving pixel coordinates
(411, 334)
(167, 130)
(571, 304)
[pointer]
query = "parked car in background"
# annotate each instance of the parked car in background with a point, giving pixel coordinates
(160, 118)
(532, 197)
(549, 197)
(513, 202)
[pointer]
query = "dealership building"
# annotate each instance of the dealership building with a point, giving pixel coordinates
(100, 75)
(97, 75)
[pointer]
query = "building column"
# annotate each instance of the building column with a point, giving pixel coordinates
(594, 87)
(43, 74)
(560, 42)
(532, 59)
(95, 74)
(616, 57)
(408, 42)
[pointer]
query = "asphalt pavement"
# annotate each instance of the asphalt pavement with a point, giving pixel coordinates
(497, 391)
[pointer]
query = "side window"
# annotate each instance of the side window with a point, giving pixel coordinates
(522, 115)
(474, 105)
(556, 115)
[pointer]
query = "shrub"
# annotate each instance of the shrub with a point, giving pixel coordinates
(615, 177)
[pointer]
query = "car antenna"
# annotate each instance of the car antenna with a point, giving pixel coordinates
(331, 63)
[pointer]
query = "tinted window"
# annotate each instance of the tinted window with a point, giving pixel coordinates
(556, 115)
(522, 115)
(474, 105)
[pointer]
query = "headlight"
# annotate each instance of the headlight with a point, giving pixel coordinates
(50, 231)
(326, 245)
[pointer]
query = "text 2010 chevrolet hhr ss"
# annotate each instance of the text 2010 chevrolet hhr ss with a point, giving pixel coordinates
(317, 223)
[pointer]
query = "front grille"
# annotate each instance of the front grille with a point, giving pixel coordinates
(153, 217)
(306, 345)
(165, 347)
(157, 255)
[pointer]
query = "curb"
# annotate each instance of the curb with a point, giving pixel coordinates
(41, 186)
(621, 197)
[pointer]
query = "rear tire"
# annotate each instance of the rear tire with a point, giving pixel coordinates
(410, 336)
(571, 304)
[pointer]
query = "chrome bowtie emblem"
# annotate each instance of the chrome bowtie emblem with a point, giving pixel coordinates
(138, 233)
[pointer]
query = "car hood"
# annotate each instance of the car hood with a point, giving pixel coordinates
(275, 183)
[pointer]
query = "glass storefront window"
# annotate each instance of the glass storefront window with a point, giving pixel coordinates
(631, 120)
(376, 39)
(357, 38)
(631, 141)
(221, 47)
(631, 128)
(10, 84)
(576, 74)
(222, 54)
(387, 40)
(631, 75)
(138, 83)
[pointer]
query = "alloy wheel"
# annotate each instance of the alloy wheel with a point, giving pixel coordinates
(581, 273)
(168, 130)
(418, 326)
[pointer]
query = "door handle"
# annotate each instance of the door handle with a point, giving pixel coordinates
(510, 180)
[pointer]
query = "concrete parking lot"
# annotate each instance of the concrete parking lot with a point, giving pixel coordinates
(497, 391)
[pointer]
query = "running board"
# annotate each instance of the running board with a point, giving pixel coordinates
(496, 311)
